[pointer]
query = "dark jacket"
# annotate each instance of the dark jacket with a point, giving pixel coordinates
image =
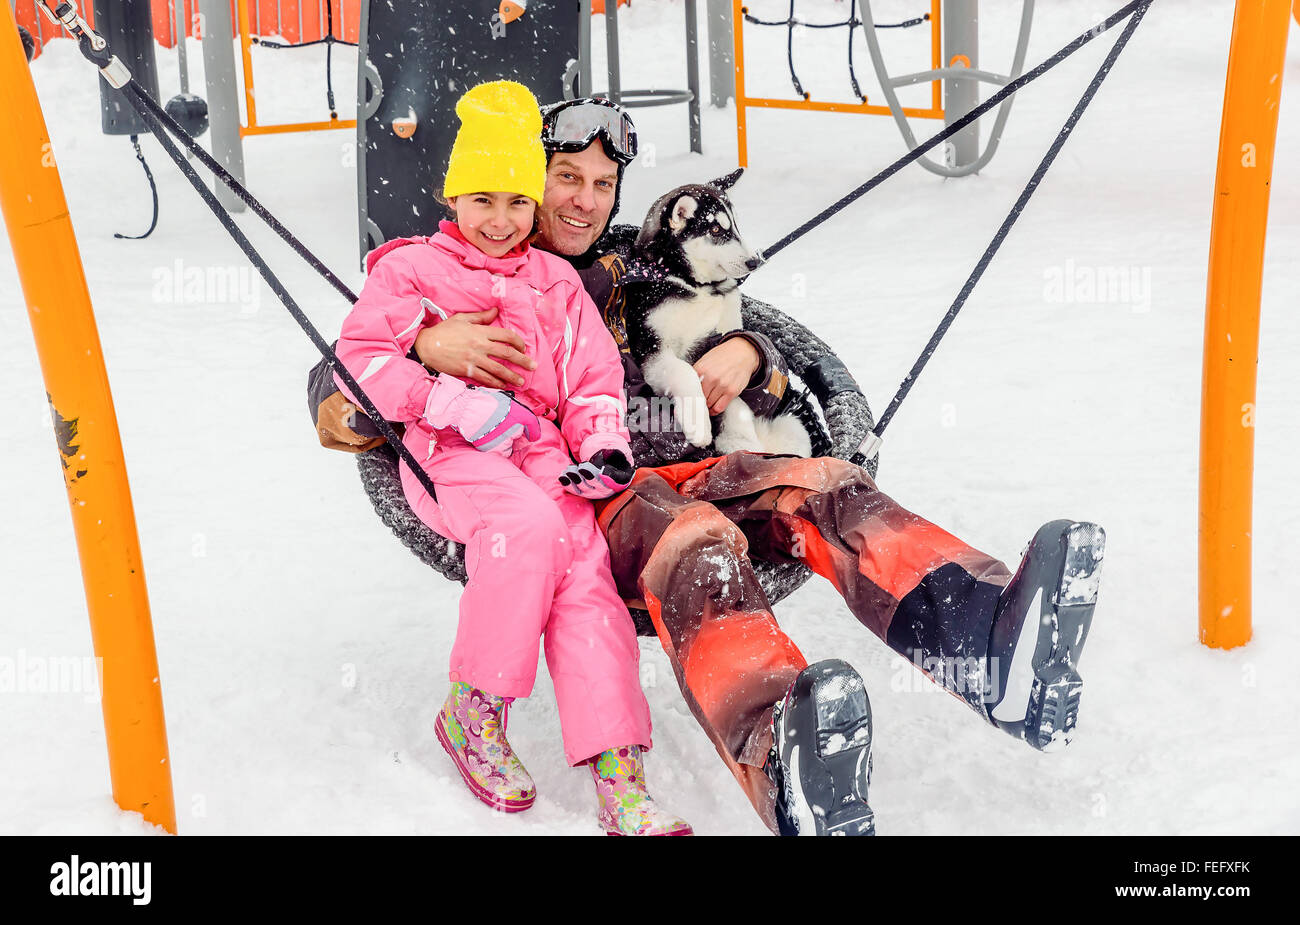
(662, 441)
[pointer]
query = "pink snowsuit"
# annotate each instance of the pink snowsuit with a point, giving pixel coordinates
(537, 562)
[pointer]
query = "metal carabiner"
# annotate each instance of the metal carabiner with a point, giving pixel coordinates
(68, 17)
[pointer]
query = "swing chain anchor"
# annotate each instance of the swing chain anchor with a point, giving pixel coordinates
(868, 448)
(67, 16)
(92, 43)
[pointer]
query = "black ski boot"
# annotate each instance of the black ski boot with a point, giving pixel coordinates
(1039, 631)
(820, 762)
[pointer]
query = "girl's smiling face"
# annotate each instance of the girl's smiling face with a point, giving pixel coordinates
(494, 222)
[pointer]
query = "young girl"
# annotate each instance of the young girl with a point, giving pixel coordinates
(504, 467)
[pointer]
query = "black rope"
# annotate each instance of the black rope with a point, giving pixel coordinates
(153, 189)
(853, 74)
(916, 153)
(328, 39)
(905, 24)
(329, 60)
(156, 120)
(789, 53)
(238, 189)
(791, 21)
(136, 96)
(852, 22)
(1138, 10)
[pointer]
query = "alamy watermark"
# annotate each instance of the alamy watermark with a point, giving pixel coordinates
(1073, 284)
(961, 675)
(208, 285)
(49, 674)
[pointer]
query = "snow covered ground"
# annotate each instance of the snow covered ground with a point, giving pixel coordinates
(273, 585)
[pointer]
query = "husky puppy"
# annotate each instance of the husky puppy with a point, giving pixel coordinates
(688, 263)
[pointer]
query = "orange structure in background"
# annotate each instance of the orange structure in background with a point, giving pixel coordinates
(250, 91)
(742, 101)
(1247, 138)
(273, 18)
(90, 447)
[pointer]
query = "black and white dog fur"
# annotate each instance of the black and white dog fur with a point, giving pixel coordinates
(691, 260)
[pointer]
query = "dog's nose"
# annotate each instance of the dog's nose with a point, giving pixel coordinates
(754, 262)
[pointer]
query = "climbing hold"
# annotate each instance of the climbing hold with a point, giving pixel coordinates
(404, 126)
(511, 10)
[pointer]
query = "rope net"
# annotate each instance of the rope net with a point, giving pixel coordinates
(852, 23)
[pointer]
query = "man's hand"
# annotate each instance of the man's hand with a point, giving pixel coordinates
(725, 371)
(465, 345)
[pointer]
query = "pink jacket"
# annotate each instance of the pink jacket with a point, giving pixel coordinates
(413, 283)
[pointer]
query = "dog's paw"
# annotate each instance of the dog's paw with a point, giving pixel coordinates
(736, 432)
(693, 414)
(784, 433)
(730, 442)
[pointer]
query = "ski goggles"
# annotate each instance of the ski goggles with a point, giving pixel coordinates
(574, 124)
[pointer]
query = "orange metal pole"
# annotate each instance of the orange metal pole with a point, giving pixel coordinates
(860, 108)
(90, 449)
(738, 57)
(1235, 279)
(277, 128)
(936, 56)
(250, 105)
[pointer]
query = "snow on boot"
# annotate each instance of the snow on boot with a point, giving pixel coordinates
(1039, 631)
(472, 728)
(820, 762)
(625, 806)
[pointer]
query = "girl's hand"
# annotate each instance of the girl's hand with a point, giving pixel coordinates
(607, 473)
(490, 420)
(725, 372)
(467, 345)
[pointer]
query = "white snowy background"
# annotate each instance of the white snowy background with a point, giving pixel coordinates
(272, 582)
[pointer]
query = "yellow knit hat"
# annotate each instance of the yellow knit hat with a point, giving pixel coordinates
(499, 145)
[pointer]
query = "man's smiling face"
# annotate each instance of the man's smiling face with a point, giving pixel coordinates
(580, 194)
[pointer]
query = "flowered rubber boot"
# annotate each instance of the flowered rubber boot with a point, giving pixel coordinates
(625, 806)
(472, 728)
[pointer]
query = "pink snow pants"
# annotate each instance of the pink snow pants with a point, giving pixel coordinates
(538, 566)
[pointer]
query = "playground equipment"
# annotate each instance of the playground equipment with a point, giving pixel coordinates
(406, 113)
(187, 108)
(634, 99)
(53, 282)
(90, 447)
(129, 26)
(954, 26)
(1247, 137)
(406, 119)
(246, 42)
(126, 25)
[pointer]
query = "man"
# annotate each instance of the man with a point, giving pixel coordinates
(796, 737)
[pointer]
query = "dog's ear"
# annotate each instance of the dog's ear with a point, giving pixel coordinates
(664, 216)
(680, 210)
(727, 182)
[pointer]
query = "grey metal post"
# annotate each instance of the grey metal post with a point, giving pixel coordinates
(961, 37)
(722, 48)
(692, 73)
(178, 34)
(611, 49)
(584, 48)
(223, 106)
